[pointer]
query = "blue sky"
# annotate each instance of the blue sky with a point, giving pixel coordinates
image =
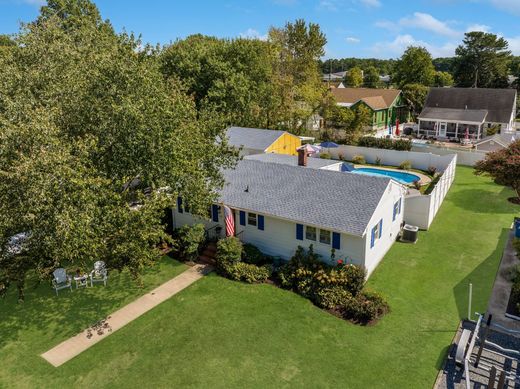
(354, 28)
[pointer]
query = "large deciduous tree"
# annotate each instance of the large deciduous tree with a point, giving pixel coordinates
(414, 67)
(504, 166)
(83, 113)
(482, 61)
(371, 79)
(354, 77)
(415, 96)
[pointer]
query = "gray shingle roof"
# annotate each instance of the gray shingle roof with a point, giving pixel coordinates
(284, 159)
(252, 138)
(342, 202)
(469, 115)
(499, 103)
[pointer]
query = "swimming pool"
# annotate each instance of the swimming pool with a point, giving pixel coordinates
(402, 177)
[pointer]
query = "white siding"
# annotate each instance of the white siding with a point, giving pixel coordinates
(390, 230)
(279, 238)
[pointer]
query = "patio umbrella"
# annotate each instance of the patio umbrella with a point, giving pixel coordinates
(397, 127)
(310, 149)
(329, 145)
(466, 134)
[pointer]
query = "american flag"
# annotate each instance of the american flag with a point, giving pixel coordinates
(230, 221)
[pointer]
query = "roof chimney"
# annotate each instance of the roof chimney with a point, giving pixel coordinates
(302, 157)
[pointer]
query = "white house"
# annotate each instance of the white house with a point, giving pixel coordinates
(450, 113)
(279, 206)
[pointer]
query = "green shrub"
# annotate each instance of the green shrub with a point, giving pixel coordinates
(405, 165)
(332, 297)
(251, 254)
(385, 143)
(341, 157)
(324, 155)
(229, 251)
(431, 170)
(359, 160)
(514, 273)
(249, 273)
(365, 307)
(188, 240)
(378, 161)
(417, 184)
(515, 295)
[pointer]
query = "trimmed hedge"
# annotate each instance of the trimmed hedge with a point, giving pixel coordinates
(385, 143)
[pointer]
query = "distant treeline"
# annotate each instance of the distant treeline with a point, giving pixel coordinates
(385, 66)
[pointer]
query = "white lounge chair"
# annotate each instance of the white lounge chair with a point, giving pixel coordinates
(61, 280)
(99, 274)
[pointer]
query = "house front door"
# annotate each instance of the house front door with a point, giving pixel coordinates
(442, 129)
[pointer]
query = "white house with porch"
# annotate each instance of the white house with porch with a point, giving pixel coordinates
(453, 114)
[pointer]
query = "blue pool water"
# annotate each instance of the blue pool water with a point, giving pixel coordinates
(402, 177)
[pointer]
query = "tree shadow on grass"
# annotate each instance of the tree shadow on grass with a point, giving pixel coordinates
(482, 278)
(60, 317)
(479, 200)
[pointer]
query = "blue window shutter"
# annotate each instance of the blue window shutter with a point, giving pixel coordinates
(400, 201)
(380, 227)
(214, 213)
(299, 231)
(179, 205)
(261, 222)
(336, 241)
(372, 238)
(242, 218)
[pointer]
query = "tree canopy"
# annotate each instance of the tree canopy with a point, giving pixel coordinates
(354, 77)
(414, 67)
(482, 61)
(371, 77)
(94, 144)
(503, 165)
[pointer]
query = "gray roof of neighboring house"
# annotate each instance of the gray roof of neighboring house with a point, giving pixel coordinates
(315, 163)
(342, 202)
(252, 138)
(503, 139)
(500, 103)
(463, 115)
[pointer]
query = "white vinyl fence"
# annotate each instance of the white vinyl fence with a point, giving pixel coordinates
(419, 210)
(466, 158)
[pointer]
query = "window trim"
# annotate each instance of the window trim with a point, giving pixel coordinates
(329, 237)
(315, 233)
(249, 215)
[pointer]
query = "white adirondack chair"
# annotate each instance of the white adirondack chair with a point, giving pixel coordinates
(99, 274)
(61, 280)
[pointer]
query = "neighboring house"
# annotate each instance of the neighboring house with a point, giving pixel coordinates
(278, 207)
(496, 142)
(386, 105)
(257, 141)
(450, 113)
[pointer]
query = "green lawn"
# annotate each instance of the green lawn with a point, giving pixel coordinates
(219, 333)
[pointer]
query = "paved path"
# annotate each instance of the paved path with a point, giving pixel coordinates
(79, 343)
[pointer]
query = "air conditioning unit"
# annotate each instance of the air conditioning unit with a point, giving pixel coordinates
(410, 233)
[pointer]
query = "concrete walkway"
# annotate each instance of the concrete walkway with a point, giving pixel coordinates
(90, 336)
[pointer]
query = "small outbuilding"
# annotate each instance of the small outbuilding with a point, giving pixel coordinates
(258, 141)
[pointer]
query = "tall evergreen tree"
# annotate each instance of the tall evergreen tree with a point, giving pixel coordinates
(414, 67)
(482, 61)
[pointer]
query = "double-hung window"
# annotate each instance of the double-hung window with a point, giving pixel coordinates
(310, 233)
(325, 236)
(252, 219)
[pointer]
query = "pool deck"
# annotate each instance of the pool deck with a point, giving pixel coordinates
(423, 178)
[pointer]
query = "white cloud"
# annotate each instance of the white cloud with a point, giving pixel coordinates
(328, 5)
(351, 39)
(251, 33)
(428, 22)
(478, 27)
(371, 3)
(396, 47)
(512, 6)
(514, 44)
